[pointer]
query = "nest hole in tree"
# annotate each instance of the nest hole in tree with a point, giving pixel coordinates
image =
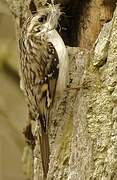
(69, 21)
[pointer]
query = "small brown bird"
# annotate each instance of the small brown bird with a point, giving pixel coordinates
(44, 67)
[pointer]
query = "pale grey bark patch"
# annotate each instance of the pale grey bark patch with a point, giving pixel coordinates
(101, 45)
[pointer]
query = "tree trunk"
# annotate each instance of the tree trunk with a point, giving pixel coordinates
(83, 123)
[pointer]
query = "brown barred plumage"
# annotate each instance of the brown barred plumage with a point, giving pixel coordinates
(42, 56)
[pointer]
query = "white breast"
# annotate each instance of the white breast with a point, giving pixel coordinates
(59, 45)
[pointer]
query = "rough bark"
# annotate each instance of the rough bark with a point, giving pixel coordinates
(94, 14)
(83, 122)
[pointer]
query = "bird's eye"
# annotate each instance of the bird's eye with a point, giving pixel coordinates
(42, 18)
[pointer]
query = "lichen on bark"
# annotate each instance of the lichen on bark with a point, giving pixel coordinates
(95, 115)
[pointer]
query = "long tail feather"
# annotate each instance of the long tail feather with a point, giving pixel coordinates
(45, 152)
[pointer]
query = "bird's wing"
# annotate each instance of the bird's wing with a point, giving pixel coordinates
(48, 87)
(52, 70)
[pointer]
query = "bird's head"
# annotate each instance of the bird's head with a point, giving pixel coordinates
(45, 20)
